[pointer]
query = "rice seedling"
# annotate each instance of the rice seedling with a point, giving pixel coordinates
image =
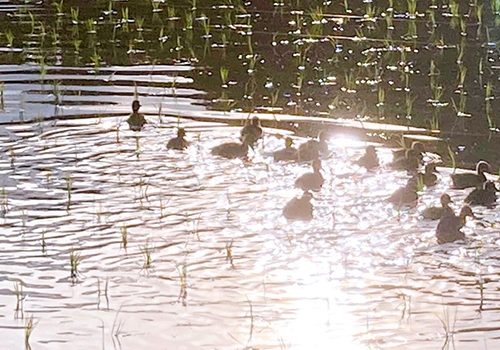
(18, 292)
(453, 161)
(448, 327)
(125, 19)
(183, 278)
(42, 242)
(205, 24)
(124, 235)
(139, 23)
(455, 14)
(488, 98)
(117, 328)
(75, 12)
(56, 91)
(91, 26)
(29, 327)
(10, 37)
(2, 98)
(75, 259)
(100, 293)
(146, 251)
(229, 253)
(96, 61)
(188, 20)
(69, 184)
(224, 73)
(479, 16)
(76, 44)
(5, 202)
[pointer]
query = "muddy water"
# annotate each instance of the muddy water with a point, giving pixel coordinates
(227, 270)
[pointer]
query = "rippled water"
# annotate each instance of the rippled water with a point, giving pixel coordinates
(227, 270)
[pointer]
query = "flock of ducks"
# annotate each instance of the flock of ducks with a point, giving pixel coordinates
(301, 208)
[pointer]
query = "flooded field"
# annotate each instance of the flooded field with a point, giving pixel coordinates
(109, 240)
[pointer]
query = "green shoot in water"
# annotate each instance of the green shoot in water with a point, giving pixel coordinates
(124, 234)
(451, 154)
(146, 252)
(74, 260)
(29, 327)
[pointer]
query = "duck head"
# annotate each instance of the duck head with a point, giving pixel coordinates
(445, 199)
(288, 142)
(255, 121)
(370, 150)
(430, 168)
(181, 132)
(136, 105)
(466, 211)
(418, 146)
(489, 186)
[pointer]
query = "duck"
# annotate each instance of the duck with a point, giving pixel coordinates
(311, 181)
(136, 120)
(299, 208)
(405, 196)
(178, 142)
(370, 159)
(448, 229)
(415, 145)
(410, 162)
(252, 131)
(232, 150)
(287, 153)
(435, 213)
(312, 149)
(461, 181)
(485, 195)
(429, 177)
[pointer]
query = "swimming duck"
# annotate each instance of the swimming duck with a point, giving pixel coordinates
(311, 181)
(299, 208)
(448, 229)
(486, 195)
(405, 196)
(287, 153)
(136, 120)
(312, 149)
(252, 131)
(428, 177)
(415, 145)
(232, 150)
(178, 142)
(461, 181)
(370, 159)
(435, 213)
(410, 162)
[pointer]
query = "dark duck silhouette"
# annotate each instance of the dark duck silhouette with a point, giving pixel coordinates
(448, 229)
(429, 177)
(178, 142)
(410, 162)
(485, 195)
(461, 181)
(287, 153)
(136, 120)
(299, 208)
(232, 149)
(370, 159)
(312, 149)
(252, 131)
(405, 196)
(311, 181)
(417, 146)
(435, 213)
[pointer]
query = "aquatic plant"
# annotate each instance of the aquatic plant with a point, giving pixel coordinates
(100, 293)
(29, 327)
(10, 37)
(448, 327)
(124, 235)
(75, 259)
(488, 98)
(75, 12)
(18, 292)
(451, 155)
(42, 241)
(229, 253)
(2, 99)
(146, 252)
(69, 183)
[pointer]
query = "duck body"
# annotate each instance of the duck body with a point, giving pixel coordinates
(435, 213)
(410, 162)
(405, 196)
(448, 229)
(252, 131)
(370, 159)
(231, 150)
(462, 181)
(178, 143)
(299, 208)
(136, 120)
(311, 181)
(287, 153)
(312, 149)
(486, 195)
(429, 177)
(416, 145)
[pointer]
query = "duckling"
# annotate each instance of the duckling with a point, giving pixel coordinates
(232, 150)
(448, 229)
(311, 181)
(405, 196)
(252, 131)
(299, 208)
(370, 159)
(435, 213)
(486, 195)
(136, 120)
(428, 177)
(410, 162)
(415, 145)
(287, 153)
(312, 149)
(178, 142)
(461, 181)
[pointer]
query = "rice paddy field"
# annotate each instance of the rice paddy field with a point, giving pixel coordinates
(108, 240)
